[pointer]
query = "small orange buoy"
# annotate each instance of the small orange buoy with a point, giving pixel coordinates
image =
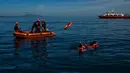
(68, 25)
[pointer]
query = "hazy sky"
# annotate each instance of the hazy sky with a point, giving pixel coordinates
(62, 7)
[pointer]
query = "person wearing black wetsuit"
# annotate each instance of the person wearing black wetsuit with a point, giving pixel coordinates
(43, 25)
(36, 25)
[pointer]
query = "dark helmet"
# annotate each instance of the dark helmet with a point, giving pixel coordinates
(94, 42)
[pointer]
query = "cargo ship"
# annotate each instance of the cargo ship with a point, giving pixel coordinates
(114, 15)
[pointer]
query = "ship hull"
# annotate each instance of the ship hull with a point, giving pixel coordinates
(114, 17)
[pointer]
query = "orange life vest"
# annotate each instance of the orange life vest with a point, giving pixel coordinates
(82, 48)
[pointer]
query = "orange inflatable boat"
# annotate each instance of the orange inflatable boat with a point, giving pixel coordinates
(28, 35)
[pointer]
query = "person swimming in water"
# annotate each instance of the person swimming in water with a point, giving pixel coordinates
(82, 47)
(91, 45)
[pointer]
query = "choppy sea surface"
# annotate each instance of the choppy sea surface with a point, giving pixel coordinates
(59, 54)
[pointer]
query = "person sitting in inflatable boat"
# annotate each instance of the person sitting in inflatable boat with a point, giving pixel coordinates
(17, 28)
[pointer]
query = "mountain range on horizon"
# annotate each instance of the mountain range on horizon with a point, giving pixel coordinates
(25, 15)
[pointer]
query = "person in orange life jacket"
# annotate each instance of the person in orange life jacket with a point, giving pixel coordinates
(93, 44)
(43, 25)
(16, 28)
(82, 47)
(36, 25)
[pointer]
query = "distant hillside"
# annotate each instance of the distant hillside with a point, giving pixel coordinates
(31, 15)
(26, 15)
